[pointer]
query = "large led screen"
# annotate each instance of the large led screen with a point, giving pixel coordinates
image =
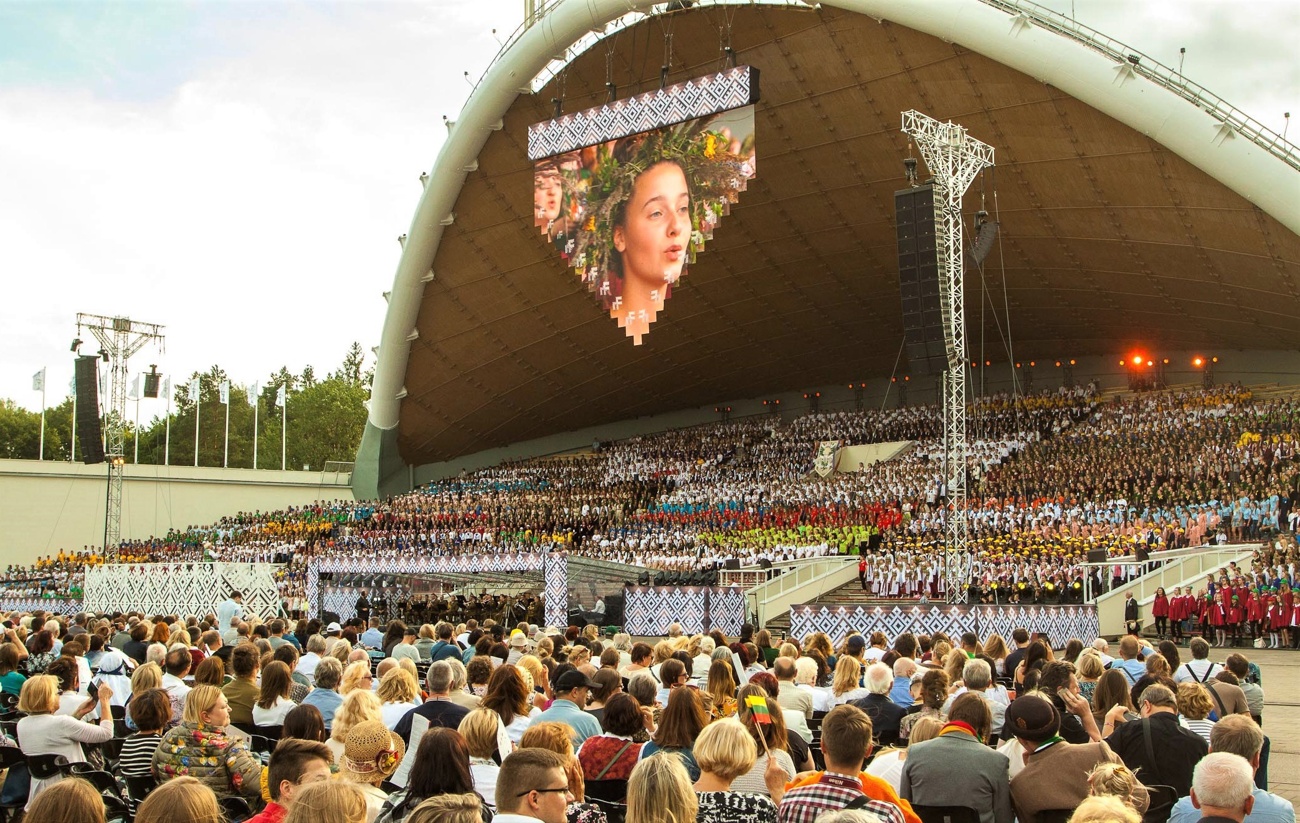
(630, 213)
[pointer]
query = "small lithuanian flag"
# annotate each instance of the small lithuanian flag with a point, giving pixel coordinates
(758, 708)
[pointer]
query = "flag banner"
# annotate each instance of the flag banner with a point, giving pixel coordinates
(279, 397)
(167, 389)
(38, 381)
(103, 384)
(253, 392)
(224, 395)
(72, 384)
(135, 389)
(195, 386)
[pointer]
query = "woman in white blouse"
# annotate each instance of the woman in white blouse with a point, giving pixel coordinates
(399, 693)
(273, 702)
(44, 732)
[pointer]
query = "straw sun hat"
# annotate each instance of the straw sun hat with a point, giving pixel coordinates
(371, 753)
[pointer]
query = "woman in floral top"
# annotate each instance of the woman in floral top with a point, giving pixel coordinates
(201, 747)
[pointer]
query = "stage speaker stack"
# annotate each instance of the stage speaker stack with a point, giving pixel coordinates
(918, 280)
(1096, 555)
(614, 607)
(89, 434)
(151, 385)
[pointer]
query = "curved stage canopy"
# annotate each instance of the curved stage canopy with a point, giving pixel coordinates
(1128, 212)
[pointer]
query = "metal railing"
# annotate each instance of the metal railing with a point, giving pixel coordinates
(1145, 66)
(1181, 571)
(804, 582)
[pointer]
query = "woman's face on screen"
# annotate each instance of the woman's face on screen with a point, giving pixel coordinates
(656, 227)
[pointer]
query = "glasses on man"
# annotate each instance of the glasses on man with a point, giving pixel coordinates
(564, 789)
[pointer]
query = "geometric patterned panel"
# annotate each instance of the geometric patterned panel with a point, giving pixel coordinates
(1060, 623)
(648, 611)
(556, 576)
(727, 609)
(692, 99)
(181, 588)
(32, 604)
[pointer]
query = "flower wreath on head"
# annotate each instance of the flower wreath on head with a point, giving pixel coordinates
(715, 177)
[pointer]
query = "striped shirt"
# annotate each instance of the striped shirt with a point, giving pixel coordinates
(832, 793)
(137, 754)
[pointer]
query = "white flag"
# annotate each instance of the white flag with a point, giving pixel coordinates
(279, 397)
(253, 392)
(224, 395)
(194, 390)
(72, 384)
(103, 384)
(135, 389)
(38, 381)
(167, 389)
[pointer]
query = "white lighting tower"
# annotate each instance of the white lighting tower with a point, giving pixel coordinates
(954, 158)
(119, 338)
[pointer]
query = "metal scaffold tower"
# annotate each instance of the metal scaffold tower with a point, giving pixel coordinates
(954, 158)
(119, 338)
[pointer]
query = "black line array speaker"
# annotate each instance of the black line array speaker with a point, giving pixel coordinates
(615, 604)
(89, 435)
(1096, 555)
(151, 382)
(918, 280)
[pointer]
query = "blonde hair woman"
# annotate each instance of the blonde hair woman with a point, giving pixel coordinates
(199, 747)
(398, 694)
(724, 752)
(180, 800)
(660, 791)
(448, 808)
(44, 732)
(848, 671)
(146, 677)
(479, 728)
(722, 688)
(356, 676)
(1117, 780)
(69, 801)
(360, 706)
(329, 801)
(1104, 810)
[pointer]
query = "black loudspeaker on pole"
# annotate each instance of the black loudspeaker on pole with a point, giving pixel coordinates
(89, 434)
(918, 280)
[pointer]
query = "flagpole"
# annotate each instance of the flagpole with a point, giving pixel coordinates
(225, 455)
(284, 433)
(198, 400)
(135, 460)
(255, 405)
(41, 453)
(167, 437)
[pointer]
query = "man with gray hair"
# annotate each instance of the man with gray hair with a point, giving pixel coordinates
(885, 714)
(438, 710)
(791, 697)
(458, 694)
(315, 651)
(977, 677)
(701, 663)
(1240, 735)
(1223, 787)
(901, 693)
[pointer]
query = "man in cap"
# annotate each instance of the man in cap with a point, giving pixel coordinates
(571, 691)
(1055, 775)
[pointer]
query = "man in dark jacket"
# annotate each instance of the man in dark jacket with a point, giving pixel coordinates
(1164, 751)
(885, 714)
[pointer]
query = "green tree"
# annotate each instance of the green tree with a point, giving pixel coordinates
(20, 431)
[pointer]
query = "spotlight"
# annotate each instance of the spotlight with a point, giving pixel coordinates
(1214, 360)
(1032, 364)
(76, 344)
(1149, 363)
(1071, 362)
(1121, 363)
(1058, 364)
(1198, 362)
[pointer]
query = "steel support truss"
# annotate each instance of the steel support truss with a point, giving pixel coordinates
(119, 338)
(953, 158)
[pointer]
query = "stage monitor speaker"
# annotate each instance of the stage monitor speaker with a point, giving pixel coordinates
(614, 606)
(89, 434)
(1096, 555)
(151, 385)
(918, 280)
(731, 564)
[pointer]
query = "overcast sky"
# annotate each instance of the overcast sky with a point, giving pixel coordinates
(239, 171)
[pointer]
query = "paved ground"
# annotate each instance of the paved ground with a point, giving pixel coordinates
(1281, 674)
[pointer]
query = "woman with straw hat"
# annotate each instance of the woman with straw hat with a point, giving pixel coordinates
(370, 756)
